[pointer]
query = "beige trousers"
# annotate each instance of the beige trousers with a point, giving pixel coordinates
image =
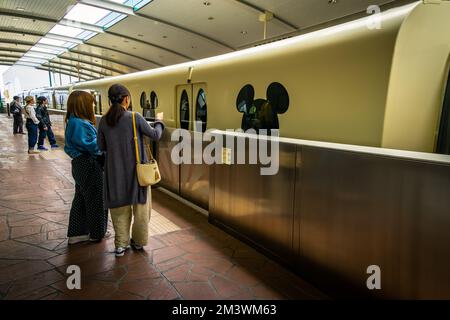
(121, 219)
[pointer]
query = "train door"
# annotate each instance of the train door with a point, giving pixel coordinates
(54, 102)
(443, 142)
(192, 107)
(98, 102)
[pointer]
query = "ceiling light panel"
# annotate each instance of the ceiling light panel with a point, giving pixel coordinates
(66, 31)
(86, 14)
(54, 51)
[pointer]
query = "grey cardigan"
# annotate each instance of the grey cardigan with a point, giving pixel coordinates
(121, 187)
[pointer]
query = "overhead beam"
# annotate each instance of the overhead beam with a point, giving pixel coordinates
(21, 42)
(120, 8)
(67, 73)
(91, 64)
(63, 38)
(13, 50)
(104, 58)
(24, 15)
(23, 32)
(55, 69)
(91, 27)
(108, 5)
(81, 25)
(176, 26)
(74, 40)
(123, 52)
(84, 68)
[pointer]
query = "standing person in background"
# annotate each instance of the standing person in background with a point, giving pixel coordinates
(88, 220)
(45, 125)
(123, 195)
(16, 110)
(31, 124)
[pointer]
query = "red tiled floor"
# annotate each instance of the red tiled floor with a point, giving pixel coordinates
(198, 261)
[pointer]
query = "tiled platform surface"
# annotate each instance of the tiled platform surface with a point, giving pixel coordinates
(195, 260)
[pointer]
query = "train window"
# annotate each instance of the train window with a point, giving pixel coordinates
(201, 109)
(153, 100)
(443, 143)
(184, 110)
(143, 100)
(262, 113)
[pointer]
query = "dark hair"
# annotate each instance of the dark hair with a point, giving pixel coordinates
(81, 105)
(16, 97)
(116, 95)
(41, 99)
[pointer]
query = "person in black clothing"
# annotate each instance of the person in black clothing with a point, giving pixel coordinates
(45, 125)
(16, 110)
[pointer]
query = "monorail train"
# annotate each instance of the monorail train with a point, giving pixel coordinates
(357, 83)
(331, 211)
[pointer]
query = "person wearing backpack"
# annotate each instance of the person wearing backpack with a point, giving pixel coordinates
(16, 110)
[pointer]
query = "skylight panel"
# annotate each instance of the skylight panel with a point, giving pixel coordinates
(66, 31)
(52, 42)
(47, 50)
(39, 55)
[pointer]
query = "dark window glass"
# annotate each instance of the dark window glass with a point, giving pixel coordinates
(201, 110)
(150, 112)
(184, 111)
(443, 143)
(153, 100)
(100, 104)
(262, 113)
(143, 100)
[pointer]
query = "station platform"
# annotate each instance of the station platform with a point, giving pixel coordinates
(187, 258)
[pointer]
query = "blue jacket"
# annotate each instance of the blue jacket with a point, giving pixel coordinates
(81, 138)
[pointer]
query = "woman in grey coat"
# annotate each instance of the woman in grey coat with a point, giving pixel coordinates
(122, 193)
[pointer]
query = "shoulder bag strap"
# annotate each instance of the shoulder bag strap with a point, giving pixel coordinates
(135, 139)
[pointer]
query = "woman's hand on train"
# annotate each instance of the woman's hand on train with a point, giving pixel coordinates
(160, 116)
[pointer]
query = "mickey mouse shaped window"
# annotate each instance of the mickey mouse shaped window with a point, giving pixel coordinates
(143, 102)
(184, 111)
(262, 113)
(201, 110)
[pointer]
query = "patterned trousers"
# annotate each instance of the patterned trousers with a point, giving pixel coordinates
(87, 215)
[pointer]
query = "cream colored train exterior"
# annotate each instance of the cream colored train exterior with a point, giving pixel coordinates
(353, 83)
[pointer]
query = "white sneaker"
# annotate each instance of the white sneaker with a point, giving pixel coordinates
(121, 251)
(32, 151)
(78, 239)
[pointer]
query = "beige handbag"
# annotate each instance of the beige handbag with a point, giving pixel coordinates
(147, 173)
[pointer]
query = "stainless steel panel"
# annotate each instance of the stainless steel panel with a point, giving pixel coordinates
(358, 210)
(194, 179)
(260, 208)
(170, 172)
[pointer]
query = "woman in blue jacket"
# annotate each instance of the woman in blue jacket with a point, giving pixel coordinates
(88, 219)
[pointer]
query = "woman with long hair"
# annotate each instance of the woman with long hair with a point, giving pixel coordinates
(88, 218)
(123, 195)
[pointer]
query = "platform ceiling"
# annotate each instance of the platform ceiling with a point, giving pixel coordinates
(90, 39)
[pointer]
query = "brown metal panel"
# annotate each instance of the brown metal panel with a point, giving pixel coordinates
(170, 172)
(194, 178)
(358, 210)
(256, 207)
